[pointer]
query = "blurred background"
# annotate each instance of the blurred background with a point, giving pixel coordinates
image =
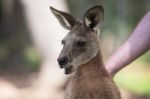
(30, 43)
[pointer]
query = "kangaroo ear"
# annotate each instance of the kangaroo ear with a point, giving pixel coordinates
(65, 19)
(94, 17)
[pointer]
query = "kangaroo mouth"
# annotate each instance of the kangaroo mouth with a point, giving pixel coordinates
(68, 70)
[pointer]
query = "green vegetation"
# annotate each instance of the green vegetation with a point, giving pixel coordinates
(136, 77)
(145, 59)
(32, 59)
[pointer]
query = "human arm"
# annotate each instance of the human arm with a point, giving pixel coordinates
(137, 44)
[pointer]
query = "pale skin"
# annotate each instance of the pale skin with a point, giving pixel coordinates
(137, 44)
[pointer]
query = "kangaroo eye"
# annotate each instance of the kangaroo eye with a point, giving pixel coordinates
(80, 44)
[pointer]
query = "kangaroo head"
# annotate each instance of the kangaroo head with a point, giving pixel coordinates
(81, 44)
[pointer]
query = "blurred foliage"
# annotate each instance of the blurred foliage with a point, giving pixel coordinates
(32, 59)
(16, 56)
(145, 59)
(117, 12)
(135, 78)
(0, 9)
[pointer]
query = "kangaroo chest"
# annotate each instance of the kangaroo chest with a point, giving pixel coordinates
(94, 89)
(91, 81)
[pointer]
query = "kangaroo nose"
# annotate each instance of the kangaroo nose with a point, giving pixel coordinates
(63, 61)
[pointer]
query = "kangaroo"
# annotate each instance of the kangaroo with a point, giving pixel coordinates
(81, 57)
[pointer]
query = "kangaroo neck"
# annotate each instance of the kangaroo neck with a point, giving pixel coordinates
(93, 68)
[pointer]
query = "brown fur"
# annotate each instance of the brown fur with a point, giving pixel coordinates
(92, 81)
